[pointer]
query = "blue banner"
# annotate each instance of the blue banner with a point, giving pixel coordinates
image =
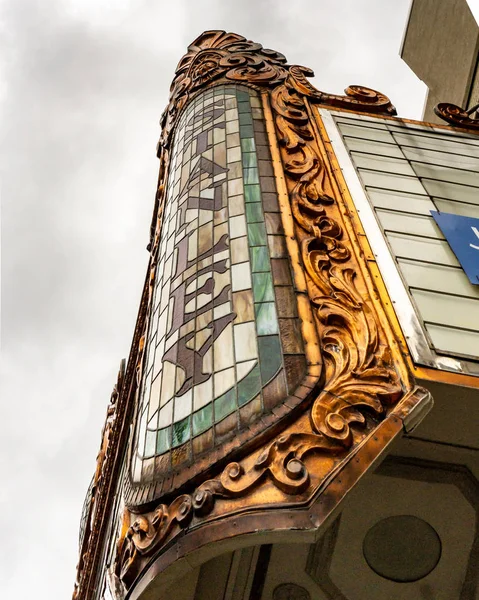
(462, 235)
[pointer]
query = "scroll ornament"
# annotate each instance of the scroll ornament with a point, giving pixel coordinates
(361, 383)
(457, 116)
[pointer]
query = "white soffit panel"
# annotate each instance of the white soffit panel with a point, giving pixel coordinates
(397, 173)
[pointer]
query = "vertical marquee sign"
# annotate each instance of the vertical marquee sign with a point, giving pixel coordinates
(264, 371)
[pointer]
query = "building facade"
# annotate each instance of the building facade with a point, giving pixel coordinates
(441, 46)
(271, 434)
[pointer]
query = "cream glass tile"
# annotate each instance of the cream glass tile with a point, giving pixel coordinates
(203, 394)
(235, 187)
(437, 278)
(221, 255)
(242, 369)
(237, 226)
(446, 174)
(236, 205)
(168, 382)
(441, 309)
(207, 193)
(208, 361)
(219, 135)
(239, 250)
(231, 114)
(233, 140)
(377, 148)
(241, 277)
(190, 306)
(172, 339)
(203, 320)
(223, 381)
(232, 127)
(205, 238)
(155, 395)
(411, 224)
(455, 341)
(234, 154)
(230, 103)
(223, 356)
(166, 415)
(243, 306)
(137, 470)
(221, 280)
(382, 163)
(201, 337)
(206, 216)
(235, 170)
(245, 341)
(220, 216)
(182, 406)
(391, 181)
(222, 310)
(220, 231)
(452, 191)
(429, 250)
(202, 299)
(193, 245)
(158, 362)
(165, 296)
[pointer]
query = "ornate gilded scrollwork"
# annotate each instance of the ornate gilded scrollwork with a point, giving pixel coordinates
(460, 117)
(361, 384)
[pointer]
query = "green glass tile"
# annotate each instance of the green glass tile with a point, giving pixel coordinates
(181, 432)
(260, 256)
(247, 144)
(256, 234)
(229, 90)
(225, 404)
(245, 118)
(254, 212)
(242, 96)
(269, 356)
(249, 160)
(266, 320)
(244, 108)
(163, 440)
(249, 386)
(202, 419)
(250, 176)
(150, 443)
(263, 287)
(252, 193)
(246, 131)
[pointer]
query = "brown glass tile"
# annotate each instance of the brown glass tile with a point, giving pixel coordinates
(181, 455)
(268, 184)
(263, 153)
(260, 138)
(295, 367)
(277, 246)
(281, 271)
(275, 392)
(148, 469)
(243, 306)
(203, 442)
(259, 126)
(273, 223)
(270, 202)
(265, 168)
(162, 464)
(226, 428)
(291, 340)
(250, 412)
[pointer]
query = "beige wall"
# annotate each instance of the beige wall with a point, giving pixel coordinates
(441, 46)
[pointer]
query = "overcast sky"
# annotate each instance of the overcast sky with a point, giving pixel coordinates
(82, 87)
